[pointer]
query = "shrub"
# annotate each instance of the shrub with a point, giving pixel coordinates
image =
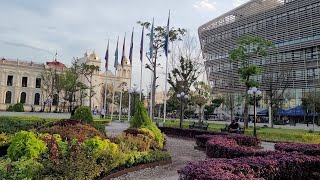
(18, 107)
(190, 133)
(159, 137)
(144, 133)
(140, 117)
(4, 143)
(100, 126)
(10, 108)
(128, 143)
(76, 164)
(276, 166)
(226, 147)
(56, 148)
(24, 168)
(25, 144)
(84, 114)
(242, 140)
(70, 129)
(308, 149)
(13, 124)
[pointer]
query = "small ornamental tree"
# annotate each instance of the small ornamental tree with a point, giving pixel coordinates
(84, 114)
(140, 117)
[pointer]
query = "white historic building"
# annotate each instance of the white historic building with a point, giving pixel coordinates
(20, 81)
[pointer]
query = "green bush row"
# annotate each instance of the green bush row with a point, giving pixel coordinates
(16, 108)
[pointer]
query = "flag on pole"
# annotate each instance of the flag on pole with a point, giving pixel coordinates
(123, 51)
(116, 56)
(166, 45)
(151, 39)
(141, 45)
(131, 47)
(107, 57)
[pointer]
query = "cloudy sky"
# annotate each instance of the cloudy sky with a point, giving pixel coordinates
(35, 29)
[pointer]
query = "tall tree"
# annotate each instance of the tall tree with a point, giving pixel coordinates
(276, 81)
(201, 96)
(175, 34)
(249, 48)
(88, 72)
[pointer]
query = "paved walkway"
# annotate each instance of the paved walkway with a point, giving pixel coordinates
(182, 151)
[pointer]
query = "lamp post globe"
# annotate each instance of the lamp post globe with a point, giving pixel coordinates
(255, 92)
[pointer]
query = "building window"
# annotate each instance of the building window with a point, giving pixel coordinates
(38, 82)
(10, 80)
(55, 100)
(8, 97)
(23, 98)
(37, 99)
(24, 81)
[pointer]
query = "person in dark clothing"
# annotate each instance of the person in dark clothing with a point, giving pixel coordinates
(233, 127)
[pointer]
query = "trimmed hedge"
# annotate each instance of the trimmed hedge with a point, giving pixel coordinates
(226, 147)
(308, 149)
(277, 166)
(242, 140)
(190, 133)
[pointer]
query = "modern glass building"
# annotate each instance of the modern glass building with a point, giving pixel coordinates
(294, 28)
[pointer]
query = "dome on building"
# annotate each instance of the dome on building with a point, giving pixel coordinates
(94, 56)
(56, 64)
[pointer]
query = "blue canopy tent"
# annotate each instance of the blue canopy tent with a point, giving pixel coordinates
(296, 111)
(266, 112)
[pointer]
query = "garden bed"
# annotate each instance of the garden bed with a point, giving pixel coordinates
(137, 168)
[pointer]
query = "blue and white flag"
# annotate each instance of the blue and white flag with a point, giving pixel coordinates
(166, 44)
(123, 51)
(107, 57)
(131, 48)
(151, 40)
(116, 55)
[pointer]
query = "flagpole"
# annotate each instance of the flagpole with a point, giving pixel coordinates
(105, 98)
(113, 92)
(115, 77)
(121, 89)
(151, 94)
(141, 61)
(122, 69)
(141, 82)
(129, 90)
(166, 76)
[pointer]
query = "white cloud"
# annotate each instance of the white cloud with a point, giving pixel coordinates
(205, 5)
(239, 2)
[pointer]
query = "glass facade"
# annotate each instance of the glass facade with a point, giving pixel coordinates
(294, 28)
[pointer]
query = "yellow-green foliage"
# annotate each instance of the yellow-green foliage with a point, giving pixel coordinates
(97, 147)
(24, 168)
(4, 139)
(25, 144)
(159, 137)
(140, 117)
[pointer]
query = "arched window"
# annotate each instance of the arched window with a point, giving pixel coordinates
(8, 97)
(23, 97)
(55, 100)
(37, 99)
(124, 73)
(128, 73)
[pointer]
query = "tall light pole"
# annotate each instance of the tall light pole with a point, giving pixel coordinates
(255, 92)
(182, 97)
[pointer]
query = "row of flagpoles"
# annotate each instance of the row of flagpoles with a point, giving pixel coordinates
(116, 60)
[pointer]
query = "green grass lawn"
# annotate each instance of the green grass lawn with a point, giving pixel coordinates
(265, 134)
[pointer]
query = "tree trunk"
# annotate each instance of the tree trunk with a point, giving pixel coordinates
(154, 83)
(90, 93)
(246, 110)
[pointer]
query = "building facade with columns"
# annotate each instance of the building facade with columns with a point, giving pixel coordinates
(22, 81)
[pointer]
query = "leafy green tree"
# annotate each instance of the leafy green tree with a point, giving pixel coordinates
(140, 117)
(249, 47)
(88, 72)
(175, 34)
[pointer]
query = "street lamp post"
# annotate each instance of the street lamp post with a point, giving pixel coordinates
(182, 97)
(255, 92)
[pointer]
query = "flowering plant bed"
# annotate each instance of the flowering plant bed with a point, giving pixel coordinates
(277, 166)
(308, 149)
(190, 133)
(242, 140)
